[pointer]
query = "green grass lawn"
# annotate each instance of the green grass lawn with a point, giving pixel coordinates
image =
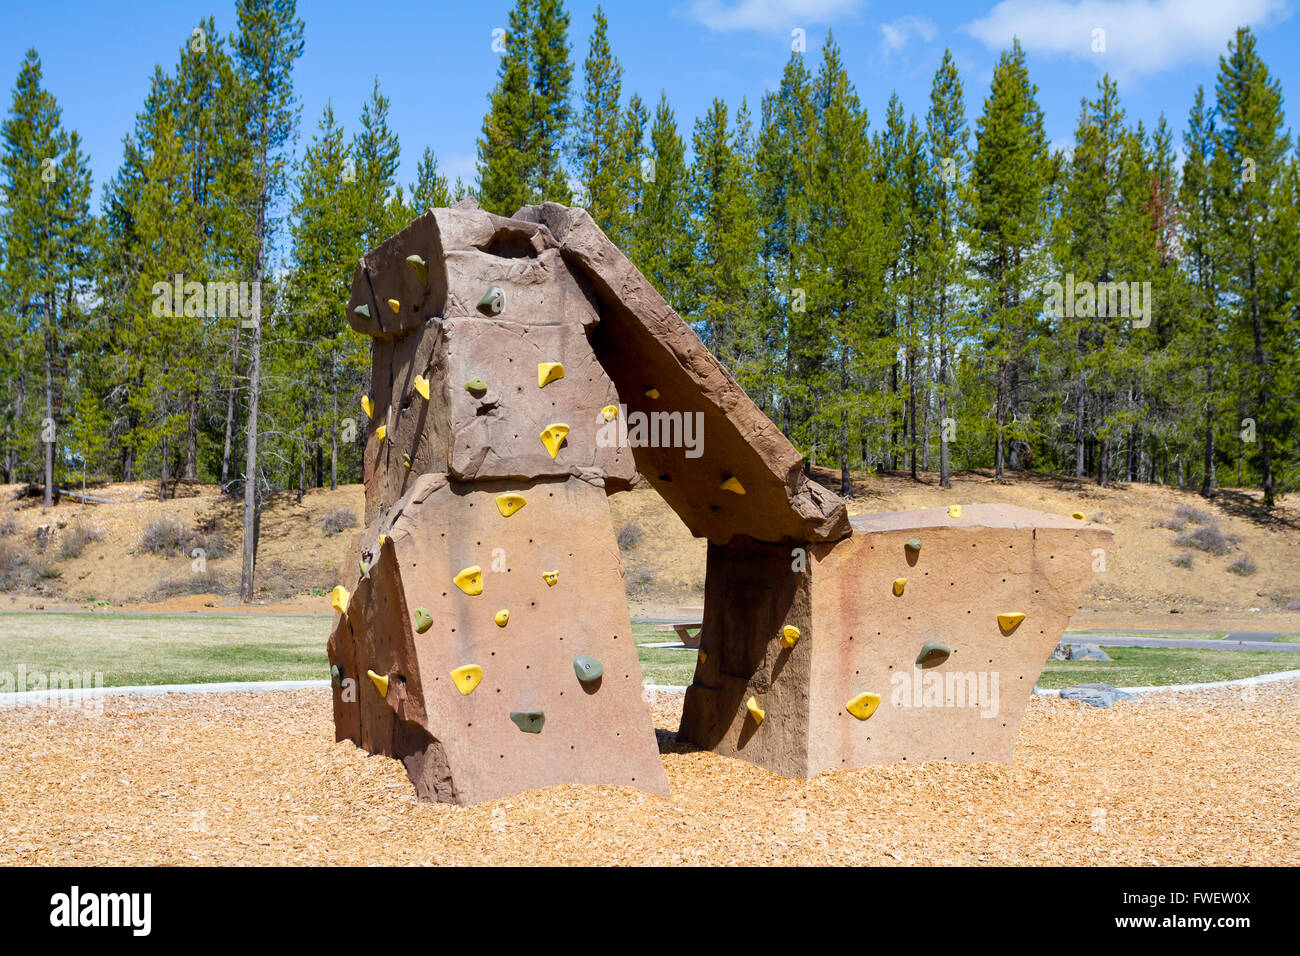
(1169, 635)
(130, 649)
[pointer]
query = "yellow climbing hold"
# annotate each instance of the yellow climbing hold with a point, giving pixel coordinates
(382, 539)
(609, 412)
(553, 436)
(733, 485)
(755, 711)
(789, 635)
(652, 393)
(1078, 514)
(406, 461)
(509, 503)
(954, 511)
(395, 306)
(381, 431)
(502, 617)
(471, 580)
(551, 578)
(368, 406)
(422, 386)
(339, 599)
(703, 656)
(467, 677)
(381, 683)
(548, 372)
(1010, 620)
(863, 706)
(899, 584)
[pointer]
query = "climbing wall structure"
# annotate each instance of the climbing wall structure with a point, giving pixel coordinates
(484, 638)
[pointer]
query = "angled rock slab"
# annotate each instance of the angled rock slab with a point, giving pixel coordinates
(859, 637)
(466, 747)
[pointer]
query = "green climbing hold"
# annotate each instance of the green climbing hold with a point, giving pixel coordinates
(932, 654)
(475, 386)
(913, 544)
(588, 669)
(423, 620)
(336, 675)
(420, 266)
(529, 721)
(493, 301)
(363, 310)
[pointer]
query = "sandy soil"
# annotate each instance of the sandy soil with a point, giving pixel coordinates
(1205, 779)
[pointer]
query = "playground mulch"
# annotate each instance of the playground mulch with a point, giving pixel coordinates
(1187, 778)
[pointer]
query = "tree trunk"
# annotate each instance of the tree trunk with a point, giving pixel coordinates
(48, 497)
(230, 411)
(192, 439)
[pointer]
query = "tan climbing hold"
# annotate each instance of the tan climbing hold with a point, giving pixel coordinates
(471, 580)
(755, 711)
(509, 503)
(899, 584)
(954, 511)
(609, 412)
(381, 683)
(863, 705)
(551, 578)
(1010, 620)
(553, 436)
(733, 485)
(381, 431)
(339, 599)
(548, 372)
(467, 677)
(789, 635)
(652, 393)
(422, 386)
(1078, 515)
(395, 306)
(368, 406)
(502, 617)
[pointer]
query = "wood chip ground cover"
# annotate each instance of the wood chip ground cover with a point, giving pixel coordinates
(1184, 778)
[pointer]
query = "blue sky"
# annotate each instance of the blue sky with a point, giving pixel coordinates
(435, 61)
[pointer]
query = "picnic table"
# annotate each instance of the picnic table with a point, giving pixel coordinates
(687, 631)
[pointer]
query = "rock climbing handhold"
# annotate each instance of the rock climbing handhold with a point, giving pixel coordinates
(381, 431)
(381, 683)
(471, 580)
(509, 503)
(755, 711)
(368, 406)
(899, 584)
(1079, 515)
(609, 412)
(406, 461)
(702, 656)
(423, 620)
(553, 437)
(364, 565)
(954, 511)
(931, 654)
(420, 266)
(422, 386)
(362, 310)
(339, 599)
(502, 617)
(789, 635)
(467, 677)
(475, 387)
(913, 545)
(529, 721)
(733, 485)
(1010, 620)
(652, 393)
(395, 306)
(588, 669)
(863, 706)
(551, 578)
(493, 301)
(548, 372)
(382, 539)
(336, 675)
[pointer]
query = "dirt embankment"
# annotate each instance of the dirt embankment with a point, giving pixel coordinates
(1178, 561)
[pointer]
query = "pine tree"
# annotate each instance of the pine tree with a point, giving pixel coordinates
(598, 147)
(661, 229)
(430, 190)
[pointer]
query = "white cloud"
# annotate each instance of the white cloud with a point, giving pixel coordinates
(896, 35)
(1141, 36)
(768, 15)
